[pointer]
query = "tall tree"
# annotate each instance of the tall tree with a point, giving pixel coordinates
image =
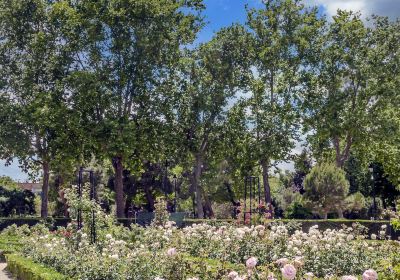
(35, 60)
(284, 33)
(212, 75)
(129, 48)
(348, 92)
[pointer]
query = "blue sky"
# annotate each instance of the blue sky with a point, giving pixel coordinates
(222, 13)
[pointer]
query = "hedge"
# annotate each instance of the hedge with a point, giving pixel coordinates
(31, 221)
(25, 269)
(142, 218)
(8, 245)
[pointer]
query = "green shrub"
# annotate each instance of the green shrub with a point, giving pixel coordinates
(297, 210)
(14, 201)
(326, 188)
(25, 269)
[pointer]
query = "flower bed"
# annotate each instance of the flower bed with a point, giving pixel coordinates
(204, 251)
(210, 252)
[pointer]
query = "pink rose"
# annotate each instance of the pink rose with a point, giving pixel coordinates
(251, 263)
(288, 272)
(171, 252)
(232, 275)
(370, 274)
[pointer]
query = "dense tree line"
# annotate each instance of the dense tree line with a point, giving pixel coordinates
(120, 83)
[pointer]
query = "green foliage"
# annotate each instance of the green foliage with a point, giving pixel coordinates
(88, 208)
(298, 210)
(161, 215)
(395, 221)
(349, 104)
(356, 202)
(8, 182)
(9, 243)
(326, 187)
(16, 202)
(25, 269)
(120, 82)
(37, 124)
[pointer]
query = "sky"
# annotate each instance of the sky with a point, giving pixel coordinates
(222, 13)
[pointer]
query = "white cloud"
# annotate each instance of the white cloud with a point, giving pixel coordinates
(390, 8)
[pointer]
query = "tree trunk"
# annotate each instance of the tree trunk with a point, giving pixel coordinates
(342, 156)
(231, 194)
(59, 185)
(196, 186)
(149, 197)
(130, 191)
(119, 186)
(325, 215)
(340, 213)
(45, 190)
(208, 211)
(267, 188)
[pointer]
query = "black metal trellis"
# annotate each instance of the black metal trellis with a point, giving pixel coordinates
(175, 194)
(251, 186)
(93, 234)
(165, 178)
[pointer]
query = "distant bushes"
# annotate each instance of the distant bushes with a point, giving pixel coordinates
(15, 201)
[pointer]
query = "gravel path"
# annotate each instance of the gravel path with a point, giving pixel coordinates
(4, 275)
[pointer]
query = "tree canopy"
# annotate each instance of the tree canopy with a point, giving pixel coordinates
(122, 84)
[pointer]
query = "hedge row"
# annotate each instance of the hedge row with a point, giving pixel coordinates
(8, 246)
(31, 221)
(25, 269)
(142, 218)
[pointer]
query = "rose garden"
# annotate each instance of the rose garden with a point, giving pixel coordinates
(199, 140)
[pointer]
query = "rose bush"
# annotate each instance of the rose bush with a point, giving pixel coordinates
(207, 252)
(201, 251)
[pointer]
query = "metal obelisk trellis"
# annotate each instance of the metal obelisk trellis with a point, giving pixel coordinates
(93, 235)
(251, 186)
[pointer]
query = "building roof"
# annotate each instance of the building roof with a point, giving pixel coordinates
(33, 187)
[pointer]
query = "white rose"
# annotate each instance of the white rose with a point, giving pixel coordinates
(309, 276)
(349, 277)
(171, 252)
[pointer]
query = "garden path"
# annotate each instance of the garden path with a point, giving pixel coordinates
(4, 275)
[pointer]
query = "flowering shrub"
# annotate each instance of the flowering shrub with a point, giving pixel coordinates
(207, 252)
(162, 251)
